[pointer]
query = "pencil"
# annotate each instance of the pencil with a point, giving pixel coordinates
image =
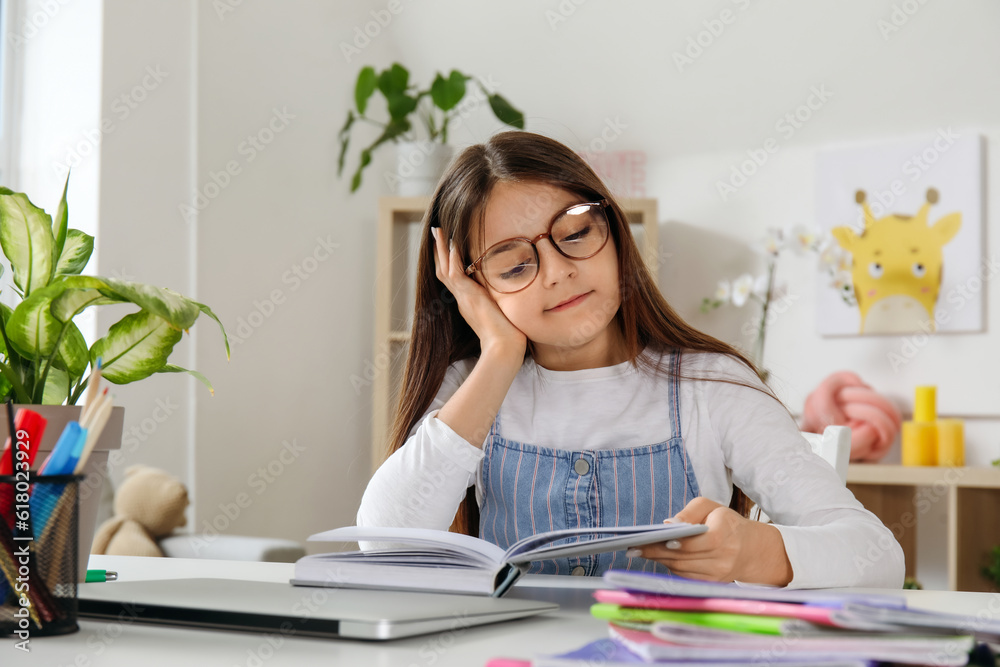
(87, 418)
(92, 384)
(97, 420)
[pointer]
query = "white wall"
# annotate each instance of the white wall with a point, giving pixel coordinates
(286, 257)
(301, 341)
(147, 165)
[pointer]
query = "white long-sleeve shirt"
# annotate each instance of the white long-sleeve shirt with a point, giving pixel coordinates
(732, 434)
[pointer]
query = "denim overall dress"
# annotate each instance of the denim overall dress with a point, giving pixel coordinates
(528, 489)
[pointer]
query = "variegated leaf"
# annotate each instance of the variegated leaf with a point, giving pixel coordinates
(136, 346)
(171, 368)
(33, 331)
(60, 225)
(180, 311)
(57, 387)
(5, 385)
(85, 291)
(5, 312)
(208, 311)
(75, 254)
(26, 237)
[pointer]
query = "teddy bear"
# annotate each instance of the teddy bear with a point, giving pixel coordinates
(149, 505)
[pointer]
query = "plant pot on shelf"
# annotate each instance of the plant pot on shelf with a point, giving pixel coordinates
(95, 471)
(419, 166)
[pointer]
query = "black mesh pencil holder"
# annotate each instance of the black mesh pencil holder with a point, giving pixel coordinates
(39, 522)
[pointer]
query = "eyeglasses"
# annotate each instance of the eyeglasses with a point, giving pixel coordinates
(579, 231)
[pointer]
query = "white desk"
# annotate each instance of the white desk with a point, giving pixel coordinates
(102, 644)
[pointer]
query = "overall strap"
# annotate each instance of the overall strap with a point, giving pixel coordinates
(674, 393)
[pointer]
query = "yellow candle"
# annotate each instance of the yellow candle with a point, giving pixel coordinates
(925, 405)
(951, 442)
(919, 443)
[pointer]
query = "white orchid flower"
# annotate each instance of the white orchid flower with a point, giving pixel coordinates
(802, 238)
(772, 241)
(830, 256)
(760, 286)
(723, 291)
(742, 288)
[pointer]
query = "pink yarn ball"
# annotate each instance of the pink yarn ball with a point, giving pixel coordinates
(843, 399)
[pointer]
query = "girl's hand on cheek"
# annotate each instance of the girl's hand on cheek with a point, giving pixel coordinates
(474, 302)
(732, 549)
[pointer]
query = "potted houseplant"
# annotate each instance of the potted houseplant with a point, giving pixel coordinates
(409, 107)
(44, 359)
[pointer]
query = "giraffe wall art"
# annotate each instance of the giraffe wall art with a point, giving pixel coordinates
(907, 254)
(897, 266)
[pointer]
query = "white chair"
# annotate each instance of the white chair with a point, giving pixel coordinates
(834, 446)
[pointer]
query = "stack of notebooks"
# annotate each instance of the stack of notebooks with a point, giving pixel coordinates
(661, 619)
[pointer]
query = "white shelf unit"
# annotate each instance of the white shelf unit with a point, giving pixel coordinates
(898, 496)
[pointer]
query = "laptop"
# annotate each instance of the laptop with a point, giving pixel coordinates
(257, 606)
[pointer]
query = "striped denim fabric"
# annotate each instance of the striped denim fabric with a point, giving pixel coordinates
(529, 489)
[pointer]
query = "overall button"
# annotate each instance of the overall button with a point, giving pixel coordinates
(579, 570)
(581, 467)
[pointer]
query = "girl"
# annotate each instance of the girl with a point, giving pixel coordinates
(547, 371)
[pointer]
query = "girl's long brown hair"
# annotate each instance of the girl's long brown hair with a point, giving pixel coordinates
(441, 336)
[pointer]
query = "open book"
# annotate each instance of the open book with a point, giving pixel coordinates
(441, 561)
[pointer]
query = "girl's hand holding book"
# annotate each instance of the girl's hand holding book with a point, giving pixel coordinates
(474, 303)
(733, 548)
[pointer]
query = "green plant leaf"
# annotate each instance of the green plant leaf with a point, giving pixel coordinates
(5, 312)
(60, 225)
(170, 368)
(393, 130)
(344, 136)
(26, 237)
(72, 302)
(447, 93)
(176, 309)
(208, 311)
(394, 80)
(364, 88)
(75, 254)
(136, 346)
(5, 385)
(506, 112)
(400, 106)
(34, 332)
(12, 364)
(57, 387)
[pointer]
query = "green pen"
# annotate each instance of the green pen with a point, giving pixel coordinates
(100, 576)
(764, 625)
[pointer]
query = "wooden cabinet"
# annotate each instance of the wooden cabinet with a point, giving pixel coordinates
(899, 495)
(397, 246)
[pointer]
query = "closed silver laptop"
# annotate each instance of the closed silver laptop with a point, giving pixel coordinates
(230, 604)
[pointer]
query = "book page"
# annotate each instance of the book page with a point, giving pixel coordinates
(590, 540)
(477, 549)
(664, 584)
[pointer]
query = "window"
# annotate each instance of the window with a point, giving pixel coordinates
(10, 92)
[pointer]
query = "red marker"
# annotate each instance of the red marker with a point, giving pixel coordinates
(33, 425)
